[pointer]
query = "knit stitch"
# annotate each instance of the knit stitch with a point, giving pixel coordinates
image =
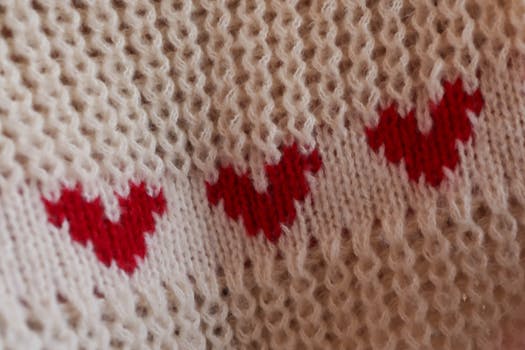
(266, 211)
(122, 241)
(241, 174)
(427, 153)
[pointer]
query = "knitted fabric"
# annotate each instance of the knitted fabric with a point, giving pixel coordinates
(235, 174)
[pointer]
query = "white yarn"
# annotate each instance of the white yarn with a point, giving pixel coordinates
(102, 93)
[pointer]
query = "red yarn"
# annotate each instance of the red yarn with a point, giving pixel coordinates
(268, 210)
(120, 241)
(428, 153)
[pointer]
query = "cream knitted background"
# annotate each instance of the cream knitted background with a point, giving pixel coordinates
(104, 92)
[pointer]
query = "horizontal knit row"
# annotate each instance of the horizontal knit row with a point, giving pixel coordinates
(141, 88)
(424, 154)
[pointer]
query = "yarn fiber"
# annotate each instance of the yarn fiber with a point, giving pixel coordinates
(237, 174)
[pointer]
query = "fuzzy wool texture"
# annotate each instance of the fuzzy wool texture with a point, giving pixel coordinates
(376, 149)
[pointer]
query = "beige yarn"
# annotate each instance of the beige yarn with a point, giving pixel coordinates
(105, 92)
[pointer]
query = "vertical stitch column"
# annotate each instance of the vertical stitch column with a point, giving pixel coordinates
(152, 55)
(225, 92)
(359, 71)
(290, 71)
(328, 88)
(186, 71)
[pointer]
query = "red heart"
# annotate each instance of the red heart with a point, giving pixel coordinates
(427, 153)
(121, 241)
(268, 210)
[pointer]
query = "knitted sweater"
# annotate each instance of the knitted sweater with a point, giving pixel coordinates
(242, 174)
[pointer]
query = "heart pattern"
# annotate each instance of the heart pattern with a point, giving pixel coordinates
(427, 153)
(424, 154)
(266, 211)
(122, 241)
